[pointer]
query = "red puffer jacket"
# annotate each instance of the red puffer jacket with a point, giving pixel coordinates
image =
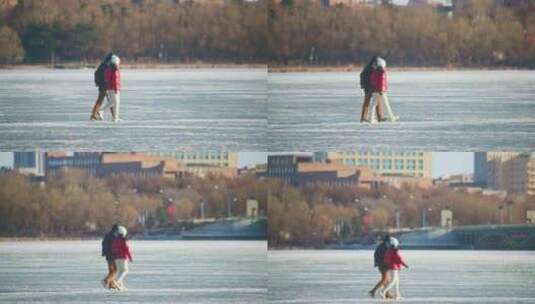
(394, 261)
(113, 79)
(378, 80)
(120, 249)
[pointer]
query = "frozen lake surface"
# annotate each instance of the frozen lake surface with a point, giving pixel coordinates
(220, 109)
(162, 272)
(439, 110)
(433, 277)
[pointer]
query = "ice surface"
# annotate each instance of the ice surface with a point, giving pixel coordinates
(434, 277)
(162, 272)
(221, 109)
(440, 111)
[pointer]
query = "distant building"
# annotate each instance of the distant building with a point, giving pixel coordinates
(284, 167)
(206, 158)
(480, 169)
(205, 163)
(417, 164)
(141, 164)
(302, 170)
(88, 161)
(332, 174)
(513, 172)
(31, 163)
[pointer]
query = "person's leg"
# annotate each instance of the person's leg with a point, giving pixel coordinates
(122, 270)
(393, 278)
(382, 282)
(374, 102)
(107, 277)
(389, 111)
(98, 102)
(398, 293)
(111, 274)
(116, 105)
(379, 108)
(109, 102)
(365, 106)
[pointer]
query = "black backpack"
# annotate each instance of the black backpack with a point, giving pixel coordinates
(365, 77)
(99, 73)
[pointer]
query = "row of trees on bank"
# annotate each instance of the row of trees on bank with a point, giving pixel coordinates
(135, 29)
(72, 203)
(476, 33)
(315, 215)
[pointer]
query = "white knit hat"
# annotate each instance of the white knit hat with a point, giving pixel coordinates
(115, 60)
(394, 242)
(381, 62)
(122, 231)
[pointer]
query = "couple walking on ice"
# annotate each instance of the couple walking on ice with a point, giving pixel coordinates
(108, 81)
(117, 253)
(373, 82)
(388, 261)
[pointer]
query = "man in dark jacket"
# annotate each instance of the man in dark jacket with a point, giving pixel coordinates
(366, 85)
(107, 252)
(101, 84)
(379, 262)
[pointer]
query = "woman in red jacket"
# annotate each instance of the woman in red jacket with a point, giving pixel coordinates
(112, 76)
(379, 85)
(121, 253)
(393, 261)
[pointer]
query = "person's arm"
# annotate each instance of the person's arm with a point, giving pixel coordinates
(114, 78)
(118, 80)
(128, 253)
(402, 262)
(382, 82)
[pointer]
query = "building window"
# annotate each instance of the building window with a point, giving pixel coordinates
(399, 165)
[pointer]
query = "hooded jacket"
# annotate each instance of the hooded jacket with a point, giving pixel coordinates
(113, 79)
(393, 260)
(120, 249)
(378, 80)
(365, 82)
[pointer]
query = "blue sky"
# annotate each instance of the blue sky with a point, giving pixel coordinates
(444, 163)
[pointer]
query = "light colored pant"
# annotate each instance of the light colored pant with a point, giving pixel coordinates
(122, 270)
(114, 100)
(382, 98)
(394, 282)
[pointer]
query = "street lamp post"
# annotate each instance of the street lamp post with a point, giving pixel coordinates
(202, 209)
(500, 211)
(229, 206)
(510, 211)
(397, 219)
(424, 216)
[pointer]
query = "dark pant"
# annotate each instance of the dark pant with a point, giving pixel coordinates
(382, 282)
(99, 101)
(112, 270)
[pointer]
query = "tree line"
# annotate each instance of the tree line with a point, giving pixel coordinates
(475, 33)
(164, 30)
(73, 203)
(316, 215)
(289, 32)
